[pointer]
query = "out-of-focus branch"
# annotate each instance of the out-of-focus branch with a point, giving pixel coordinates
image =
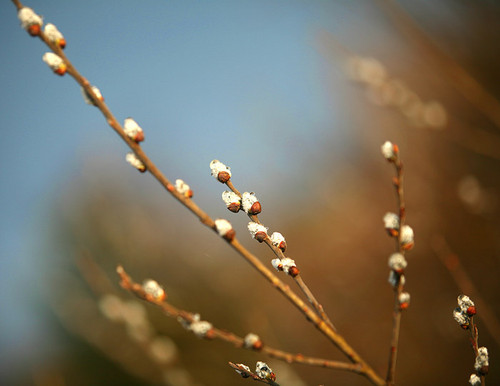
(458, 77)
(170, 310)
(463, 281)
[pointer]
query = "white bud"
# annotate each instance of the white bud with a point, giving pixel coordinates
(54, 61)
(133, 130)
(287, 264)
(474, 380)
(54, 35)
(250, 340)
(391, 221)
(200, 328)
(397, 262)
(464, 302)
(217, 167)
(248, 200)
(151, 287)
(223, 227)
(264, 371)
(460, 317)
(277, 264)
(255, 228)
(183, 188)
(482, 360)
(277, 238)
(230, 198)
(135, 162)
(404, 298)
(28, 18)
(406, 237)
(389, 151)
(88, 99)
(244, 375)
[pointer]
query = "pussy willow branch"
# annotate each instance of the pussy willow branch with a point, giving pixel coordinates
(474, 337)
(396, 314)
(298, 278)
(128, 283)
(249, 374)
(459, 274)
(335, 338)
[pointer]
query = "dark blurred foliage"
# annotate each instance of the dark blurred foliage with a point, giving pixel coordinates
(332, 219)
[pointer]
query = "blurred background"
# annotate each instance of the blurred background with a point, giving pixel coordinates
(296, 97)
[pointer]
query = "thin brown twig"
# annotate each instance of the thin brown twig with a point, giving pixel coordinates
(297, 278)
(248, 374)
(459, 274)
(335, 338)
(172, 311)
(398, 289)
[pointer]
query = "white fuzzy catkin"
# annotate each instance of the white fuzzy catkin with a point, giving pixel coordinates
(86, 97)
(388, 150)
(216, 167)
(247, 200)
(182, 187)
(151, 287)
(223, 226)
(131, 128)
(28, 17)
(230, 197)
(406, 235)
(132, 159)
(53, 34)
(263, 370)
(53, 61)
(255, 228)
(391, 221)
(397, 262)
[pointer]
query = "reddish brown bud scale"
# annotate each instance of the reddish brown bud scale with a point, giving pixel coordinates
(404, 306)
(282, 246)
(293, 271)
(407, 246)
(229, 236)
(210, 334)
(234, 207)
(189, 193)
(260, 236)
(395, 148)
(484, 370)
(61, 70)
(223, 177)
(170, 188)
(256, 208)
(139, 137)
(62, 43)
(258, 345)
(272, 376)
(392, 232)
(34, 30)
(471, 311)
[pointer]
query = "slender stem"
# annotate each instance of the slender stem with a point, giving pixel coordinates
(398, 289)
(335, 338)
(248, 374)
(128, 283)
(459, 274)
(297, 278)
